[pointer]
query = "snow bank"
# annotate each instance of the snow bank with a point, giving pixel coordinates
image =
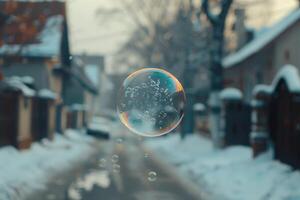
(22, 172)
(230, 173)
(231, 93)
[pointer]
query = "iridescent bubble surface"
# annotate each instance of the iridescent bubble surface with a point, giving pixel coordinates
(151, 102)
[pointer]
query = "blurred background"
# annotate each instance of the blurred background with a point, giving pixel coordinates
(62, 64)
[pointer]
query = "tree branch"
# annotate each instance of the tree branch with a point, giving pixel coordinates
(225, 8)
(212, 18)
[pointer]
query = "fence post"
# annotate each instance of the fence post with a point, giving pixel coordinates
(231, 99)
(259, 137)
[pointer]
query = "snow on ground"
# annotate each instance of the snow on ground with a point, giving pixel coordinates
(22, 172)
(230, 173)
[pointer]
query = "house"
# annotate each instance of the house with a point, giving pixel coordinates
(79, 95)
(35, 42)
(259, 60)
(34, 46)
(94, 69)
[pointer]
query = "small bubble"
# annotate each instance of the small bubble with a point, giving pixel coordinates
(152, 176)
(119, 140)
(116, 168)
(102, 163)
(115, 158)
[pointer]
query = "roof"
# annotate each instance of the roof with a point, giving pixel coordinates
(38, 72)
(16, 84)
(35, 28)
(262, 40)
(92, 72)
(79, 75)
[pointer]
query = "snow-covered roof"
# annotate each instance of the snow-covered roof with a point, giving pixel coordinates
(231, 93)
(290, 74)
(46, 93)
(16, 83)
(35, 30)
(262, 40)
(48, 45)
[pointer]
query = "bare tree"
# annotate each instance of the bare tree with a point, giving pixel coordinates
(216, 70)
(164, 35)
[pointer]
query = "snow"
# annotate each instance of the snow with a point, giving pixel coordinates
(22, 172)
(231, 173)
(46, 93)
(100, 124)
(262, 40)
(92, 72)
(79, 107)
(199, 107)
(27, 79)
(17, 83)
(231, 93)
(291, 76)
(49, 45)
(261, 88)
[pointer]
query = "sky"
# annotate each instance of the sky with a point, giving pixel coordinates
(93, 34)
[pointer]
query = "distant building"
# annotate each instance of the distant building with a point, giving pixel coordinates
(94, 68)
(260, 59)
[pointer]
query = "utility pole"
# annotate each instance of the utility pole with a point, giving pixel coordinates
(216, 69)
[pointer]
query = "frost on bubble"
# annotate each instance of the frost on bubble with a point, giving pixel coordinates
(151, 102)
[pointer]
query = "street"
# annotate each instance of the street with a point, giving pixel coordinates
(120, 170)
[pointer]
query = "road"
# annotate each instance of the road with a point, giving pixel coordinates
(120, 170)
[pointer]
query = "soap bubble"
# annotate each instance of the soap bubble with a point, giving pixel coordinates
(152, 176)
(151, 102)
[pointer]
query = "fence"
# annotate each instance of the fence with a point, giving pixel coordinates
(15, 115)
(236, 118)
(283, 116)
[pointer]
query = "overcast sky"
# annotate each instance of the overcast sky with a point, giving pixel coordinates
(92, 34)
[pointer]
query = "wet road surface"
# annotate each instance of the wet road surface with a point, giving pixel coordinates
(122, 177)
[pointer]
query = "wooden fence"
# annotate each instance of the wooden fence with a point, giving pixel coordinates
(236, 118)
(282, 121)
